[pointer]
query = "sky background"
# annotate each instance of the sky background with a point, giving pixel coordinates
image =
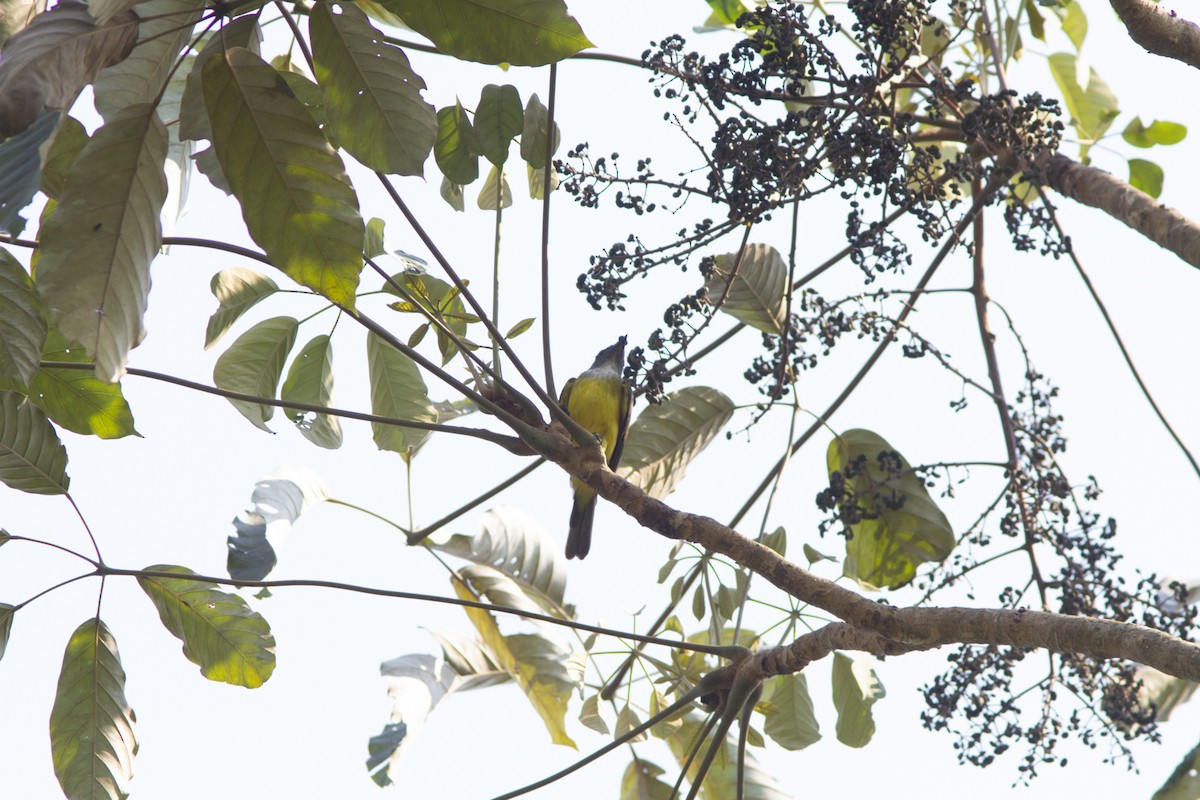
(169, 496)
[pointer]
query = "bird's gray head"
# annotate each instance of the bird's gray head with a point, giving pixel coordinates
(611, 357)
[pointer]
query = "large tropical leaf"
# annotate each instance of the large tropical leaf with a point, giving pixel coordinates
(641, 782)
(499, 119)
(372, 96)
(310, 380)
(720, 783)
(1184, 781)
(22, 322)
(237, 290)
(92, 740)
(77, 400)
(220, 633)
(93, 270)
(893, 524)
(533, 136)
(397, 391)
(21, 170)
(69, 141)
(165, 29)
(473, 660)
(193, 113)
(296, 199)
(856, 687)
(523, 32)
(539, 665)
(48, 63)
(416, 683)
(1090, 102)
(790, 720)
(278, 500)
(254, 363)
(664, 438)
(515, 543)
(457, 147)
(756, 292)
(32, 459)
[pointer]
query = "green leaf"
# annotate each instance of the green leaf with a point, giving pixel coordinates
(790, 720)
(495, 193)
(92, 739)
(373, 246)
(94, 266)
(237, 290)
(164, 31)
(856, 687)
(527, 33)
(193, 114)
(1146, 175)
(310, 380)
(253, 365)
(519, 328)
(437, 297)
(533, 135)
(22, 322)
(457, 148)
(1184, 781)
(1162, 692)
(372, 96)
(721, 782)
(727, 12)
(1091, 103)
(20, 170)
(32, 459)
(664, 438)
(590, 716)
(1075, 24)
(296, 199)
(756, 293)
(537, 181)
(473, 660)
(1158, 132)
(75, 399)
(278, 500)
(452, 193)
(1037, 23)
(899, 526)
(220, 633)
(499, 119)
(641, 782)
(535, 662)
(7, 613)
(397, 391)
(68, 142)
(627, 720)
(416, 683)
(48, 63)
(812, 555)
(516, 544)
(776, 540)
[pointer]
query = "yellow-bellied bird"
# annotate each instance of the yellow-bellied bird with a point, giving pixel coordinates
(600, 401)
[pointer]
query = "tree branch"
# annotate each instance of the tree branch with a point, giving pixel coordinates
(1096, 188)
(1160, 31)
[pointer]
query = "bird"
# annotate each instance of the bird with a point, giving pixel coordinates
(600, 401)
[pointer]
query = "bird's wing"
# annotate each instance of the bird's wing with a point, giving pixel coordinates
(565, 394)
(622, 427)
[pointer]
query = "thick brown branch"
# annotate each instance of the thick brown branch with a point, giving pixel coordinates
(1094, 187)
(1160, 31)
(912, 628)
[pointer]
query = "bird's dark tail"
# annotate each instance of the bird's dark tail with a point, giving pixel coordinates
(579, 537)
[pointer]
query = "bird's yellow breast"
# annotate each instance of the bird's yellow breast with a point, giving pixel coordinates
(595, 403)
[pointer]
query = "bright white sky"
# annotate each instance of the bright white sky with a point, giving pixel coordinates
(169, 497)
